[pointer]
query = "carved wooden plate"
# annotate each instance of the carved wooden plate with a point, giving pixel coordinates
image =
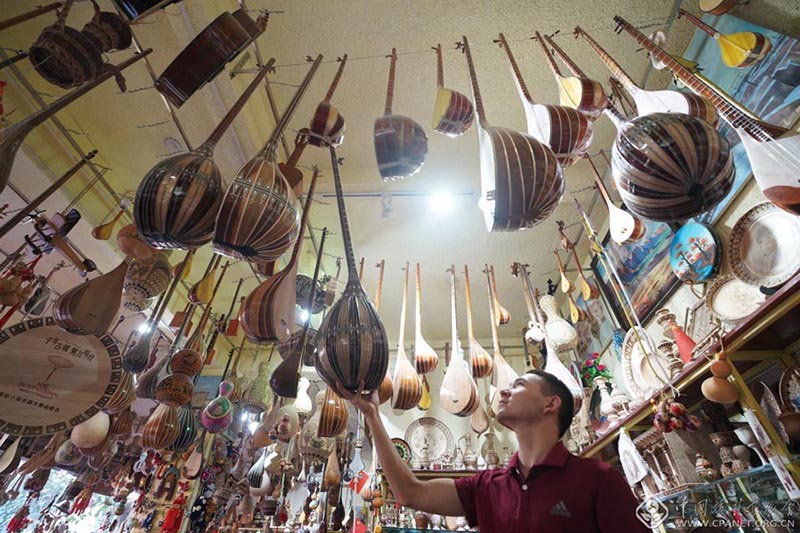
(642, 372)
(730, 299)
(433, 433)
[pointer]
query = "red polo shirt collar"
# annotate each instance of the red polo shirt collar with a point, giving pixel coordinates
(557, 456)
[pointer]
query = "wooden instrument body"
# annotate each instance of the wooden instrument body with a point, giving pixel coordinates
(671, 167)
(327, 125)
(400, 146)
(268, 312)
(205, 57)
(479, 359)
(161, 428)
(567, 131)
(623, 226)
(334, 416)
(584, 94)
(425, 357)
(65, 56)
(650, 102)
(90, 308)
(459, 393)
(566, 284)
(738, 50)
(453, 113)
(405, 382)
(717, 7)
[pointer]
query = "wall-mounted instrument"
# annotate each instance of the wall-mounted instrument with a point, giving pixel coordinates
(566, 283)
(534, 333)
(589, 290)
(577, 91)
(773, 152)
(400, 143)
(259, 218)
(453, 113)
(11, 137)
(504, 375)
(425, 357)
(649, 102)
(459, 393)
(405, 382)
(328, 125)
(739, 50)
(501, 314)
(178, 199)
(205, 57)
(268, 312)
(521, 180)
(351, 341)
(622, 225)
(567, 131)
(479, 359)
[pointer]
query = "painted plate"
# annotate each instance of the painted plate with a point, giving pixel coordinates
(765, 246)
(642, 372)
(769, 404)
(695, 253)
(403, 449)
(54, 380)
(731, 299)
(433, 434)
(789, 387)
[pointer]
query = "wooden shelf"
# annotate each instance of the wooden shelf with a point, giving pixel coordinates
(441, 474)
(766, 334)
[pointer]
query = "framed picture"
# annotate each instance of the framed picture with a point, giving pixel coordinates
(643, 268)
(770, 88)
(596, 330)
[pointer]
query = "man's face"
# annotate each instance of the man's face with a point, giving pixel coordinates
(525, 402)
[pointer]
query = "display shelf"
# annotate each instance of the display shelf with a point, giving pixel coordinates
(769, 333)
(440, 474)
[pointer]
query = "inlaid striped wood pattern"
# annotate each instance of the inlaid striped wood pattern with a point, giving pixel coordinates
(161, 428)
(123, 397)
(65, 57)
(334, 417)
(521, 180)
(90, 308)
(178, 200)
(328, 125)
(351, 341)
(121, 423)
(578, 91)
(453, 113)
(671, 167)
(567, 131)
(459, 393)
(405, 381)
(187, 430)
(480, 360)
(425, 357)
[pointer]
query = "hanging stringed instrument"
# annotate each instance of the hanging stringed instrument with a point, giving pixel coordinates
(534, 334)
(566, 284)
(772, 150)
(425, 357)
(259, 218)
(480, 360)
(501, 314)
(293, 175)
(521, 180)
(405, 382)
(567, 131)
(504, 375)
(650, 102)
(328, 125)
(104, 231)
(400, 142)
(386, 388)
(738, 50)
(90, 308)
(453, 113)
(589, 290)
(718, 7)
(351, 341)
(268, 312)
(11, 137)
(578, 91)
(622, 225)
(333, 416)
(459, 393)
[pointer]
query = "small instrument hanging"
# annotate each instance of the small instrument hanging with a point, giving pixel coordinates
(535, 331)
(351, 341)
(577, 91)
(453, 113)
(567, 131)
(589, 290)
(90, 308)
(425, 357)
(386, 389)
(104, 231)
(521, 180)
(259, 219)
(739, 50)
(622, 225)
(504, 375)
(459, 393)
(178, 199)
(718, 7)
(293, 175)
(501, 314)
(328, 125)
(37, 302)
(566, 284)
(405, 382)
(400, 143)
(479, 359)
(772, 150)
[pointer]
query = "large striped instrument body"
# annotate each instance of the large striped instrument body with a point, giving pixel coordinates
(260, 216)
(351, 341)
(577, 91)
(453, 113)
(521, 180)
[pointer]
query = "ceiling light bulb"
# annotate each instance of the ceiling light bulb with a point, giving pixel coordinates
(303, 315)
(143, 328)
(442, 202)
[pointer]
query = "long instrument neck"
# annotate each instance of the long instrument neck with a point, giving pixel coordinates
(468, 297)
(387, 109)
(453, 315)
(342, 61)
(616, 70)
(352, 271)
(271, 145)
(473, 80)
(216, 135)
(682, 13)
(599, 181)
(521, 271)
(439, 66)
(733, 116)
(403, 307)
(521, 87)
(548, 55)
(418, 305)
(492, 311)
(571, 65)
(303, 222)
(379, 288)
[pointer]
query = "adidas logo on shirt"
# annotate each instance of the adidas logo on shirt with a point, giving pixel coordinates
(560, 509)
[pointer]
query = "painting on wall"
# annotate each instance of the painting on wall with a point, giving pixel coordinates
(770, 88)
(643, 269)
(596, 330)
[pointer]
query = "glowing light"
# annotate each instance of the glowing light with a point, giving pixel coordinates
(442, 202)
(303, 315)
(143, 328)
(252, 426)
(243, 418)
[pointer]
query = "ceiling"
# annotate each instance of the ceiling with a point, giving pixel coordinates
(132, 130)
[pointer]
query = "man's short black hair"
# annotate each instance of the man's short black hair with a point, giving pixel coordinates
(552, 386)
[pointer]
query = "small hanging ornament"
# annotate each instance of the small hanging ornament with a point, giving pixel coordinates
(218, 414)
(718, 388)
(672, 416)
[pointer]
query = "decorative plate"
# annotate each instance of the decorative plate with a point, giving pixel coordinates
(695, 253)
(640, 378)
(403, 449)
(765, 246)
(731, 299)
(433, 433)
(769, 404)
(54, 380)
(789, 387)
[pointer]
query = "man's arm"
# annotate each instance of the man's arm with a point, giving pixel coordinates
(437, 496)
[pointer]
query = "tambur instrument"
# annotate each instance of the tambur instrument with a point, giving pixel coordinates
(405, 381)
(453, 113)
(328, 125)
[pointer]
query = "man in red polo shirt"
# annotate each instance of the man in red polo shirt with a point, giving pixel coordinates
(544, 488)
